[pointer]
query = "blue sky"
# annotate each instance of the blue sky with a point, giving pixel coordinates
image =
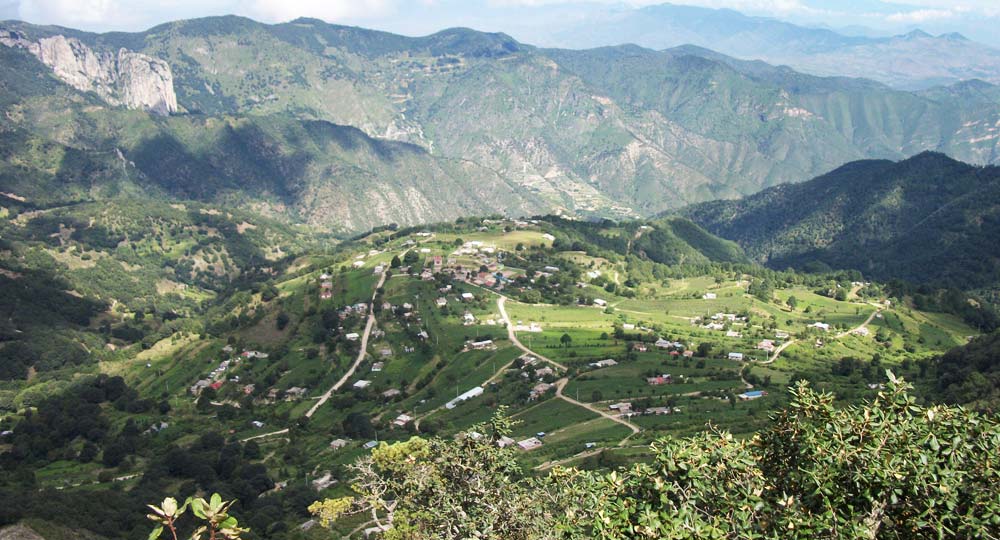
(977, 19)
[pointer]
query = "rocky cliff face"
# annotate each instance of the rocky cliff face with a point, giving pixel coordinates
(125, 78)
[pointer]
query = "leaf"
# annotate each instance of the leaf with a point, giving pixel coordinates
(198, 507)
(156, 532)
(216, 502)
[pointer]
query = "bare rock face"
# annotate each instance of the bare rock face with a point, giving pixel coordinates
(127, 78)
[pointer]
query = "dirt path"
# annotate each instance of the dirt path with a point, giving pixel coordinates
(263, 435)
(777, 352)
(860, 326)
(561, 383)
(585, 454)
(513, 335)
(361, 353)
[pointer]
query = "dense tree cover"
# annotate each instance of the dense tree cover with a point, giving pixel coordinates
(885, 469)
(84, 424)
(970, 374)
(951, 300)
(76, 416)
(927, 219)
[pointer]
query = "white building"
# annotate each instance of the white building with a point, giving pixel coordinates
(477, 391)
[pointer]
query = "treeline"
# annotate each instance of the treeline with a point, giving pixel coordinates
(886, 469)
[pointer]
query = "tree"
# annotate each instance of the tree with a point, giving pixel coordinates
(88, 452)
(566, 340)
(887, 469)
(113, 455)
(793, 302)
(358, 425)
(395, 262)
(704, 349)
(455, 489)
(281, 321)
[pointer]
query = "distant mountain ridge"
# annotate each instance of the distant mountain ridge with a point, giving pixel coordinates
(928, 218)
(914, 61)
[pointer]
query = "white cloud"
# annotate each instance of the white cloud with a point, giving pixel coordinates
(66, 12)
(141, 14)
(328, 10)
(989, 8)
(920, 16)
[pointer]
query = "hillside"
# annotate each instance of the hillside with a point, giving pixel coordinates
(86, 282)
(926, 219)
(496, 124)
(208, 361)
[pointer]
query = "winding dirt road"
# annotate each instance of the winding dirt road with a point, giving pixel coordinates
(513, 335)
(361, 353)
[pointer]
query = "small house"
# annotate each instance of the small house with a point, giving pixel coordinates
(659, 380)
(481, 345)
(736, 356)
(362, 384)
(337, 444)
(529, 444)
(604, 363)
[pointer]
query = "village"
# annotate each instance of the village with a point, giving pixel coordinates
(440, 350)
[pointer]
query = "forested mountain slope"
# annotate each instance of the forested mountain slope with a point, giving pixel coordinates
(617, 132)
(927, 218)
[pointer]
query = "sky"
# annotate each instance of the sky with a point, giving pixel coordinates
(524, 19)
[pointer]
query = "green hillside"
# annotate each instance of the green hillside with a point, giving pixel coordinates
(181, 348)
(925, 219)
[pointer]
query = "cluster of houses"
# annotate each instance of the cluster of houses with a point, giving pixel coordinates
(217, 377)
(719, 320)
(532, 368)
(325, 286)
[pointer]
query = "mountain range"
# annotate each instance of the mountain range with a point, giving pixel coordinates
(345, 128)
(912, 61)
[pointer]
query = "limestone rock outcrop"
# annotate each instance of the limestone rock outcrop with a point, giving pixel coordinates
(126, 78)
